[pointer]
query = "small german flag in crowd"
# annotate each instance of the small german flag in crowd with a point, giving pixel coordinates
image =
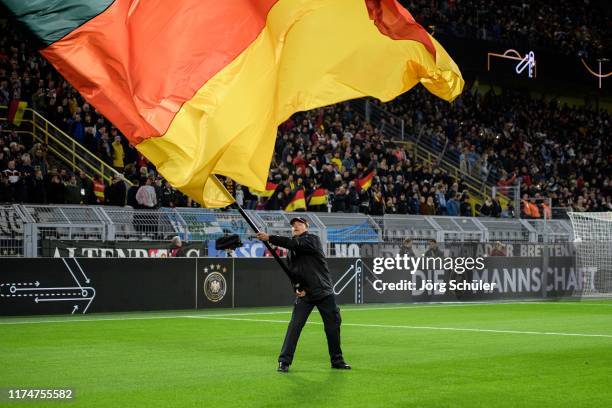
(16, 110)
(366, 181)
(298, 201)
(318, 197)
(270, 188)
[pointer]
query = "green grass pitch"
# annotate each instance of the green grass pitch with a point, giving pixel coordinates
(537, 354)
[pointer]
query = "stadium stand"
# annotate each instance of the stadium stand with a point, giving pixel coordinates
(577, 28)
(554, 151)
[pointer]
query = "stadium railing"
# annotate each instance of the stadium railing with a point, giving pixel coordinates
(13, 233)
(25, 228)
(345, 228)
(551, 231)
(74, 222)
(61, 145)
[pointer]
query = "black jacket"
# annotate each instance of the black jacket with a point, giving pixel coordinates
(116, 193)
(404, 250)
(307, 263)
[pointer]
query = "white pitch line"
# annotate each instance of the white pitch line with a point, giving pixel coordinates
(343, 310)
(389, 326)
(97, 319)
(349, 309)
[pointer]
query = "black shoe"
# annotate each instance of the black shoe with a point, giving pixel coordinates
(282, 367)
(341, 366)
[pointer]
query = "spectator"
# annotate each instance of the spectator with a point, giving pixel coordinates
(6, 190)
(168, 196)
(176, 247)
(56, 191)
(496, 207)
(465, 209)
(498, 250)
(452, 207)
(146, 196)
(377, 204)
(390, 206)
(116, 192)
(118, 154)
(402, 204)
(487, 209)
(99, 189)
(353, 198)
(432, 249)
(87, 192)
(73, 191)
(406, 248)
(529, 209)
(441, 200)
(340, 202)
(131, 194)
(239, 195)
(427, 206)
(36, 189)
(250, 200)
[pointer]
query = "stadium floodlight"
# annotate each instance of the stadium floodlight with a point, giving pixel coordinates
(593, 244)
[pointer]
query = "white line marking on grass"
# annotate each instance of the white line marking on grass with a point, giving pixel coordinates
(346, 308)
(583, 303)
(389, 326)
(96, 319)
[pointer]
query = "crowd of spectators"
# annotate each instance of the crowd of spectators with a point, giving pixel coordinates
(332, 148)
(573, 27)
(554, 151)
(550, 149)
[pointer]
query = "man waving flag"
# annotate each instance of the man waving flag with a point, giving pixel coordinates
(200, 86)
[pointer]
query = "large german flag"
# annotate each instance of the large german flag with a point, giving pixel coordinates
(199, 86)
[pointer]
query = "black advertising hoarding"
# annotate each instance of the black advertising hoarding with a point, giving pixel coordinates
(261, 282)
(344, 273)
(141, 284)
(55, 248)
(512, 277)
(30, 286)
(81, 285)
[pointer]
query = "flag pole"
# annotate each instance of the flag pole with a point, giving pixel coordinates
(254, 227)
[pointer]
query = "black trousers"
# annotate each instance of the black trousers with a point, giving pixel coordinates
(330, 313)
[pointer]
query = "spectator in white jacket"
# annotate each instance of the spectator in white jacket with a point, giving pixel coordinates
(146, 196)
